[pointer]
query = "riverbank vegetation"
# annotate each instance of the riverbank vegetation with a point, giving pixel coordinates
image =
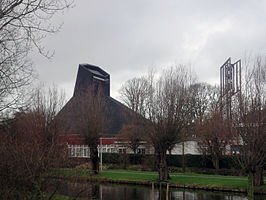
(183, 180)
(29, 147)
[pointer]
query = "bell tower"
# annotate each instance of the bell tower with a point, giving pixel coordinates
(90, 75)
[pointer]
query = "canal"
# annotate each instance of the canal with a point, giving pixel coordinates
(129, 192)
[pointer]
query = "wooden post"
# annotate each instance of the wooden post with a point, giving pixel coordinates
(101, 153)
(152, 190)
(167, 189)
(160, 191)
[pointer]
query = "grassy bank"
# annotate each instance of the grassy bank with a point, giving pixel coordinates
(185, 180)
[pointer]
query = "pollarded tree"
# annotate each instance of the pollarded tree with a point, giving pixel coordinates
(249, 122)
(167, 103)
(92, 120)
(165, 108)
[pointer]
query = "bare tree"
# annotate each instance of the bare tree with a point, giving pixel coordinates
(204, 98)
(169, 113)
(164, 107)
(249, 122)
(93, 112)
(134, 93)
(200, 98)
(29, 148)
(213, 135)
(132, 135)
(23, 25)
(210, 129)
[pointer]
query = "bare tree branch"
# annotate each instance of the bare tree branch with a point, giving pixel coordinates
(23, 25)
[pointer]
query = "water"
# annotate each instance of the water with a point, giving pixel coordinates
(128, 192)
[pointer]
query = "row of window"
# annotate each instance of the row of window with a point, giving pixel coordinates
(78, 151)
(83, 151)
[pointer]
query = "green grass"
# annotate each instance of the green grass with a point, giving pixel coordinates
(175, 173)
(196, 181)
(130, 177)
(209, 182)
(201, 180)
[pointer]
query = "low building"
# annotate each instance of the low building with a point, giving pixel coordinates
(87, 76)
(93, 76)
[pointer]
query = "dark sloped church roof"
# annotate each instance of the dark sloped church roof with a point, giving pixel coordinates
(86, 77)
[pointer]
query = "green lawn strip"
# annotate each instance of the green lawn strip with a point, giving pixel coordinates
(176, 178)
(127, 176)
(75, 172)
(176, 173)
(180, 174)
(182, 180)
(208, 182)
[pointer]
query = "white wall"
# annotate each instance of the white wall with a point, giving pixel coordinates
(190, 147)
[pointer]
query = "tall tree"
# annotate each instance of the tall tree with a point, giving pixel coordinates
(249, 122)
(211, 130)
(164, 107)
(93, 112)
(23, 25)
(134, 93)
(201, 98)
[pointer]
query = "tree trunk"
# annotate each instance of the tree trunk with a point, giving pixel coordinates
(250, 185)
(258, 177)
(124, 154)
(215, 162)
(135, 150)
(94, 160)
(183, 157)
(163, 169)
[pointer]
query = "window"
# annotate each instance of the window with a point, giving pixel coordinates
(141, 151)
(79, 151)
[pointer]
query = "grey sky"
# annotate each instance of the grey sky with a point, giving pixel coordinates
(126, 38)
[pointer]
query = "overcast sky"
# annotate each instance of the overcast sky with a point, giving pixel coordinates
(128, 37)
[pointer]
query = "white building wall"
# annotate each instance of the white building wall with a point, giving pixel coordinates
(82, 151)
(190, 147)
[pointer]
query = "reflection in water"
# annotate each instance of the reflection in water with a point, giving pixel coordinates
(125, 192)
(143, 193)
(75, 189)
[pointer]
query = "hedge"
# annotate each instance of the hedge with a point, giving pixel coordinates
(191, 161)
